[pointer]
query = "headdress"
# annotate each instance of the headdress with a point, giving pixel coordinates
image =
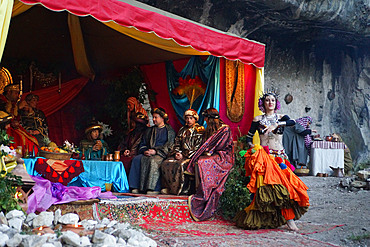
(94, 125)
(12, 87)
(161, 112)
(263, 97)
(191, 112)
(212, 114)
(140, 118)
(137, 105)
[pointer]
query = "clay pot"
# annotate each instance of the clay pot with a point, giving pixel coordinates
(329, 138)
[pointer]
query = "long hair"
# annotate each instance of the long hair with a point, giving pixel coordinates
(214, 122)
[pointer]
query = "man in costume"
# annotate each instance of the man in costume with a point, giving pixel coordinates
(130, 144)
(34, 120)
(155, 145)
(94, 147)
(211, 165)
(187, 142)
(9, 104)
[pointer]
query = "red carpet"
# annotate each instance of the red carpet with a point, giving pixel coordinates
(168, 222)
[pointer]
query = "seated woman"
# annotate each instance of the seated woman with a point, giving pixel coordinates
(93, 147)
(279, 195)
(211, 165)
(130, 144)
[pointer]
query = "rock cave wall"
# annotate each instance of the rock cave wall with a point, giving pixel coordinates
(317, 51)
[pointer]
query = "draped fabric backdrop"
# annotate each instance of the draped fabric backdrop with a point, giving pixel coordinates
(208, 71)
(156, 79)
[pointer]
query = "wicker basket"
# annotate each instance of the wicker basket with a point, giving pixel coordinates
(55, 156)
(302, 171)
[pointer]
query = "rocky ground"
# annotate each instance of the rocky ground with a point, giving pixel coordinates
(332, 204)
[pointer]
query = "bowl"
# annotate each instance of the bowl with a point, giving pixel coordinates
(302, 171)
(54, 156)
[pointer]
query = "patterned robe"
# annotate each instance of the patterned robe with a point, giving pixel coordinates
(187, 142)
(35, 121)
(214, 169)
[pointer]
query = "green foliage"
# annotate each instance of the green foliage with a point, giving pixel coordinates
(361, 166)
(236, 195)
(8, 188)
(359, 237)
(5, 139)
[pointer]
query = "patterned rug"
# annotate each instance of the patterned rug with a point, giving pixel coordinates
(169, 223)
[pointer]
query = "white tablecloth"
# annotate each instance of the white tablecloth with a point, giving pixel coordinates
(322, 158)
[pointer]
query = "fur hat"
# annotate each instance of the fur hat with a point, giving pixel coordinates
(191, 112)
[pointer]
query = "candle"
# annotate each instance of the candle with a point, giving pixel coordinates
(60, 82)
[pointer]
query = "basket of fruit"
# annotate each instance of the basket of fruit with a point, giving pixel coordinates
(54, 153)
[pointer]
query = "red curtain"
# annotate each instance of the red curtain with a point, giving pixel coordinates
(51, 101)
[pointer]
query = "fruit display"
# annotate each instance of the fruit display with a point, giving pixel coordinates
(53, 150)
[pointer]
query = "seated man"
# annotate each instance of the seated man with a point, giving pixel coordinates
(9, 104)
(187, 142)
(130, 145)
(154, 147)
(93, 147)
(34, 120)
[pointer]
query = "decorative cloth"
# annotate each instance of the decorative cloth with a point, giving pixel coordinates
(328, 145)
(235, 90)
(305, 121)
(59, 171)
(213, 172)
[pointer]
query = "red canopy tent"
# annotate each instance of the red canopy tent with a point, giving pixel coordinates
(170, 37)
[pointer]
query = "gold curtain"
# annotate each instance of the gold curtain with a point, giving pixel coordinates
(19, 8)
(235, 94)
(257, 94)
(6, 7)
(153, 40)
(78, 46)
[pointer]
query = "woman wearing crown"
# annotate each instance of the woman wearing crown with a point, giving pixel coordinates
(279, 196)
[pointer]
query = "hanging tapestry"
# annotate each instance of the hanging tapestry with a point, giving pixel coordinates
(234, 90)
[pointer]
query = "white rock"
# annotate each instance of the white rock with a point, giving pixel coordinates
(3, 239)
(57, 215)
(105, 221)
(4, 228)
(33, 241)
(15, 240)
(88, 224)
(16, 223)
(3, 219)
(14, 214)
(48, 245)
(112, 223)
(121, 241)
(30, 217)
(71, 238)
(85, 241)
(103, 238)
(43, 219)
(122, 226)
(69, 218)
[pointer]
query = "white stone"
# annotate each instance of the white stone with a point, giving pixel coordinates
(14, 214)
(103, 238)
(71, 238)
(105, 221)
(121, 241)
(85, 241)
(4, 228)
(16, 223)
(30, 217)
(3, 219)
(43, 219)
(69, 218)
(15, 240)
(88, 224)
(48, 245)
(112, 223)
(57, 215)
(33, 241)
(122, 226)
(3, 239)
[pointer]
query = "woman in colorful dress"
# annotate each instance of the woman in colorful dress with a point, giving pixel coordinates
(279, 196)
(211, 165)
